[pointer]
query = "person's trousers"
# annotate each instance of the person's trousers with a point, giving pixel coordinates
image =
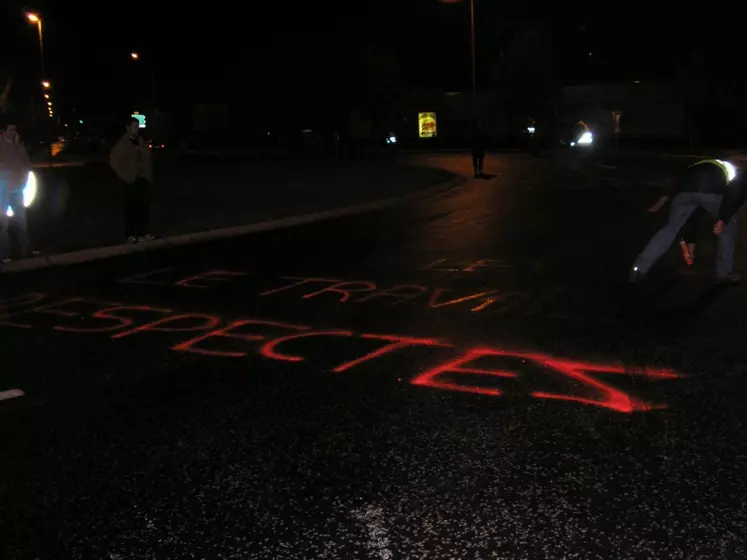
(683, 205)
(137, 208)
(14, 201)
(477, 160)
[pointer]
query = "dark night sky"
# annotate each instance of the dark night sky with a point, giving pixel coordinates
(282, 55)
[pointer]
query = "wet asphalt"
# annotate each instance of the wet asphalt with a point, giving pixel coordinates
(465, 376)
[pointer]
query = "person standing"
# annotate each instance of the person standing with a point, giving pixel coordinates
(478, 143)
(715, 186)
(15, 166)
(130, 159)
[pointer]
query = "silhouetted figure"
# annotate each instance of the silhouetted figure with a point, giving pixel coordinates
(131, 161)
(479, 143)
(14, 171)
(533, 138)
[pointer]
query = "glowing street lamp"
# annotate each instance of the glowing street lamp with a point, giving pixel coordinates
(46, 84)
(136, 56)
(49, 103)
(36, 20)
(46, 96)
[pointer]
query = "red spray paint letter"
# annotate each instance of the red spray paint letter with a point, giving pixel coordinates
(210, 276)
(300, 282)
(268, 349)
(430, 377)
(609, 397)
(227, 332)
(11, 308)
(345, 289)
(394, 343)
(484, 296)
(207, 322)
(399, 294)
(108, 314)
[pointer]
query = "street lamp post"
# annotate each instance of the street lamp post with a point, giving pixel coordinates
(35, 19)
(136, 56)
(472, 50)
(474, 61)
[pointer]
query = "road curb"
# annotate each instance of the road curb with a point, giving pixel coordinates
(99, 253)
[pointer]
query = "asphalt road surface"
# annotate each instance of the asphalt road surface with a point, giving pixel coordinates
(462, 377)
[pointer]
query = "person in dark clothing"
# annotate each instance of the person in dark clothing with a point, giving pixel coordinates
(130, 159)
(479, 142)
(715, 186)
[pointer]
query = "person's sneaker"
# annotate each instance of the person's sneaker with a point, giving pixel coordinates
(730, 279)
(132, 239)
(147, 237)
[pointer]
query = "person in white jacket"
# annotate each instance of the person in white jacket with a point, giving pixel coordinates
(15, 166)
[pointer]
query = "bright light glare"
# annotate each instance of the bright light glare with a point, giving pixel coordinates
(30, 190)
(33, 18)
(586, 138)
(531, 129)
(731, 170)
(29, 194)
(391, 140)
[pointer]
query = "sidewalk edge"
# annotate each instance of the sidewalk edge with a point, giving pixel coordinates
(99, 253)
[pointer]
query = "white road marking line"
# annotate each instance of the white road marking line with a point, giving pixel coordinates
(11, 394)
(659, 203)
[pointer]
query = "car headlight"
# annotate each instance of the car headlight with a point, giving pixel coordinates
(586, 138)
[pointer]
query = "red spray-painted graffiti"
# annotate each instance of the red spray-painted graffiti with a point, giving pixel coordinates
(208, 335)
(344, 291)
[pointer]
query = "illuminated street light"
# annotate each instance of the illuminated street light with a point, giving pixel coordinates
(36, 20)
(46, 96)
(46, 84)
(49, 103)
(136, 56)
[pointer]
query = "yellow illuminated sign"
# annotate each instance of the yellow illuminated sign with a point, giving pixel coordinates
(427, 125)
